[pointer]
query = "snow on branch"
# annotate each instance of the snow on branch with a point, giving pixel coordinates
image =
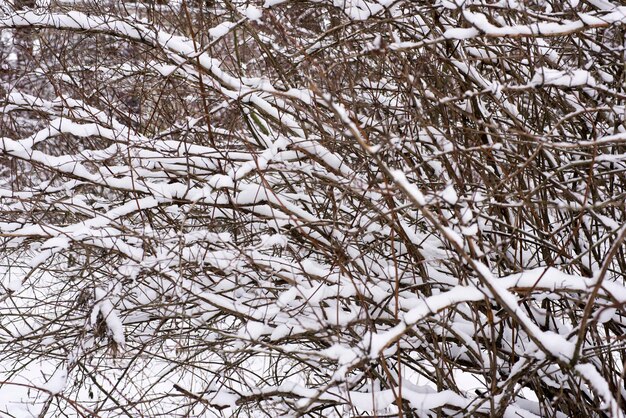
(313, 208)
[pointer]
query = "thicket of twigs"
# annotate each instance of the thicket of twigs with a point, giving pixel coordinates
(314, 208)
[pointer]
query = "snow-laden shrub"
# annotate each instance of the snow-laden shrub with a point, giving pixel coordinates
(312, 208)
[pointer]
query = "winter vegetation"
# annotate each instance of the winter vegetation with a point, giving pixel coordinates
(312, 208)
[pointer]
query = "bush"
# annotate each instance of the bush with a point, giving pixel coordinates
(313, 208)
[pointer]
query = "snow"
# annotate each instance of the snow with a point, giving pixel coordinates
(253, 13)
(57, 382)
(13, 283)
(296, 241)
(429, 401)
(606, 315)
(453, 236)
(449, 195)
(271, 3)
(461, 33)
(539, 278)
(589, 373)
(547, 76)
(255, 329)
(342, 354)
(436, 303)
(114, 324)
(411, 189)
(221, 29)
(220, 181)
